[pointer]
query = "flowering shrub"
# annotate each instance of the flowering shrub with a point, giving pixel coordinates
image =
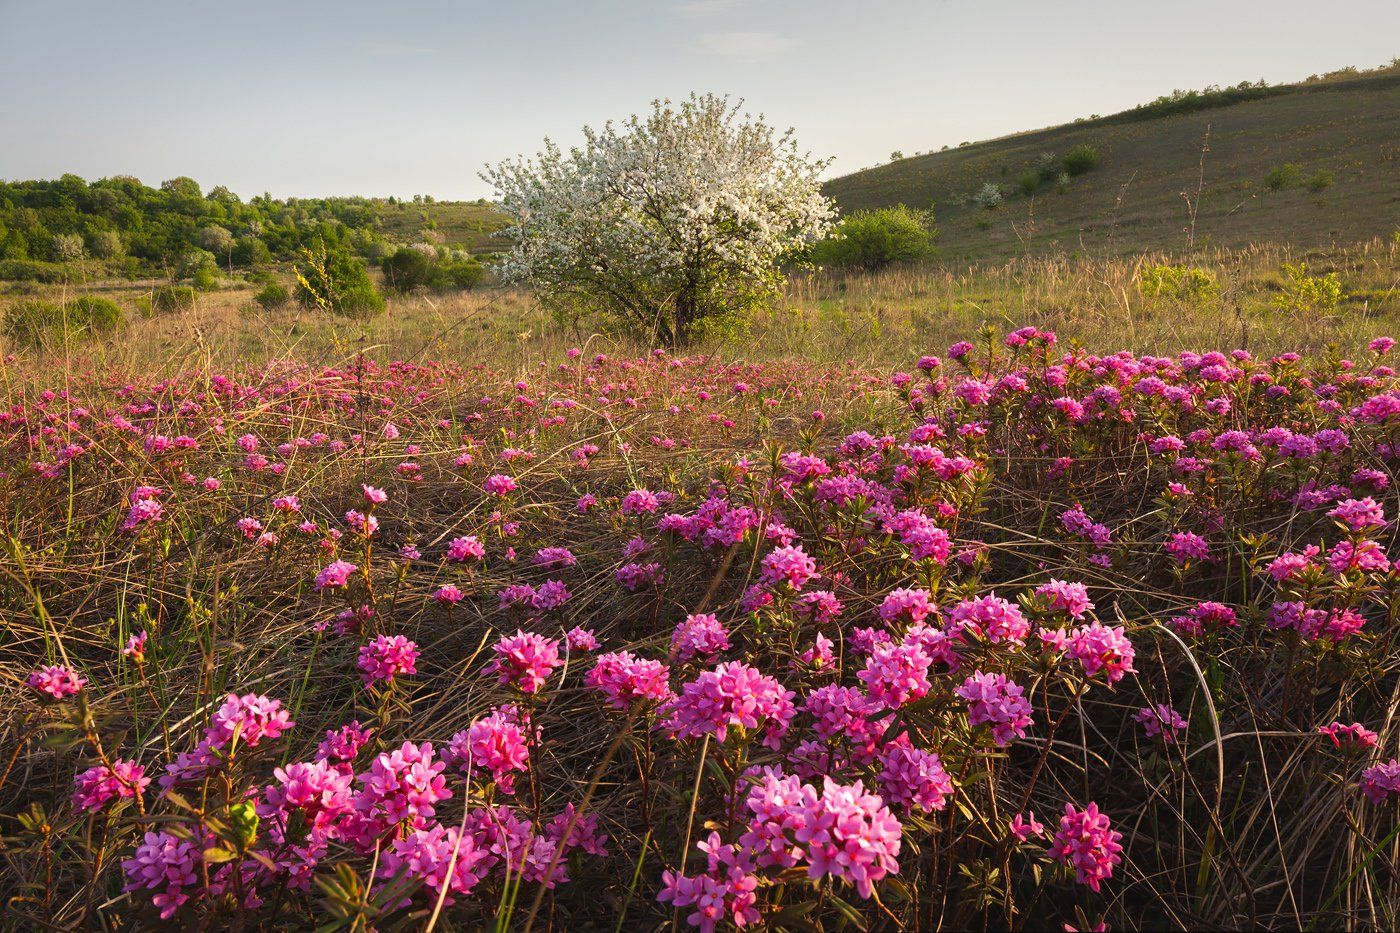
(360, 645)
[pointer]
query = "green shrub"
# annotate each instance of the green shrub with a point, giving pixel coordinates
(871, 240)
(168, 298)
(464, 274)
(1184, 283)
(1280, 177)
(1320, 181)
(34, 322)
(407, 269)
(205, 279)
(1047, 166)
(1027, 183)
(1081, 159)
(331, 279)
(272, 296)
(1308, 294)
(31, 270)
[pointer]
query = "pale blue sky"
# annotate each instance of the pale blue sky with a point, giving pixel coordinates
(315, 97)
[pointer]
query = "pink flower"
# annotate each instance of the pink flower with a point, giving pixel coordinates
(335, 575)
(905, 607)
(165, 865)
(1359, 514)
(788, 565)
(1185, 546)
(625, 679)
(374, 495)
(499, 485)
(344, 744)
(95, 787)
(896, 674)
(449, 595)
(849, 834)
(726, 891)
(404, 784)
(439, 857)
(912, 777)
(732, 695)
(639, 502)
(1161, 720)
(1024, 827)
(1085, 843)
(581, 639)
(991, 617)
(1101, 648)
(1381, 782)
(1069, 598)
(465, 548)
(496, 743)
(136, 647)
(698, 636)
(525, 661)
(1355, 735)
(251, 717)
(994, 700)
(56, 681)
(387, 657)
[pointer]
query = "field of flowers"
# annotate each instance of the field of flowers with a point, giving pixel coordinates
(1022, 637)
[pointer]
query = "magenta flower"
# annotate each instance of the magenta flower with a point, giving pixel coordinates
(788, 566)
(387, 657)
(496, 743)
(914, 778)
(1085, 843)
(1101, 648)
(465, 548)
(698, 636)
(166, 866)
(525, 661)
(994, 700)
(625, 679)
(335, 575)
(733, 695)
(1381, 782)
(499, 484)
(94, 788)
(55, 682)
(1161, 720)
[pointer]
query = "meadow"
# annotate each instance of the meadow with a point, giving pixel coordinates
(1050, 593)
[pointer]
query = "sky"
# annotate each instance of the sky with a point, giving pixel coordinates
(342, 97)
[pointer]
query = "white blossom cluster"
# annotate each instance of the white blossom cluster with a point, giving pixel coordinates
(663, 220)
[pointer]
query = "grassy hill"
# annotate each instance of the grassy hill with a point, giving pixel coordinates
(465, 224)
(1134, 199)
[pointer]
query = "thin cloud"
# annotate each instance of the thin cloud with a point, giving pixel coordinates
(744, 46)
(708, 7)
(396, 50)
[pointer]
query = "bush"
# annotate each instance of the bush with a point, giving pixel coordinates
(1081, 159)
(205, 279)
(31, 270)
(989, 197)
(33, 322)
(168, 298)
(272, 296)
(1184, 283)
(1028, 183)
(464, 274)
(68, 247)
(331, 279)
(407, 269)
(1320, 181)
(1281, 177)
(1308, 294)
(871, 240)
(251, 251)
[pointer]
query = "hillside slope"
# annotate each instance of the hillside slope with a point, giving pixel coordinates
(1134, 199)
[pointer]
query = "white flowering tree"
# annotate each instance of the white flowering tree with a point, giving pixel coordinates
(663, 221)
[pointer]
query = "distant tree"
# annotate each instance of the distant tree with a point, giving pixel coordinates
(106, 244)
(67, 247)
(1027, 183)
(988, 197)
(1320, 181)
(872, 240)
(218, 240)
(330, 278)
(664, 220)
(181, 187)
(1281, 177)
(896, 155)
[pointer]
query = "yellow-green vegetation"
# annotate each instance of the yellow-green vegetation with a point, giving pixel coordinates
(1263, 297)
